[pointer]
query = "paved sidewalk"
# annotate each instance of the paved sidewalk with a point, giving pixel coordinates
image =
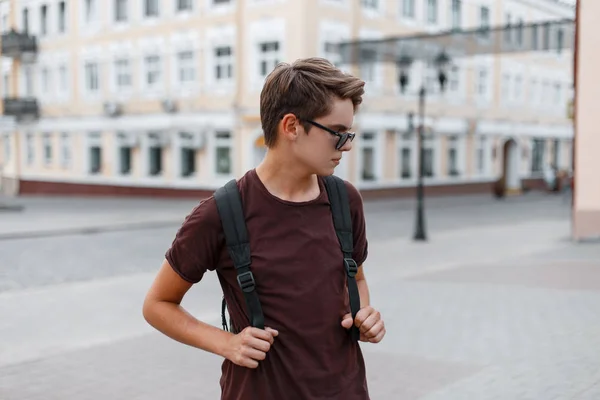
(491, 312)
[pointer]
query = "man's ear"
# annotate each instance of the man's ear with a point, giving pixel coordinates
(290, 127)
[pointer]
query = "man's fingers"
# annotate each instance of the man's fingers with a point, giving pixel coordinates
(261, 334)
(273, 332)
(254, 354)
(370, 321)
(347, 321)
(375, 330)
(362, 315)
(378, 337)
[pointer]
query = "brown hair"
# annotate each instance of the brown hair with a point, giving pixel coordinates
(304, 88)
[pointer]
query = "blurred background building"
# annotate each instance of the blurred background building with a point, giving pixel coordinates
(160, 97)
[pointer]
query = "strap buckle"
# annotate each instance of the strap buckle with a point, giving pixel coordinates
(246, 281)
(351, 267)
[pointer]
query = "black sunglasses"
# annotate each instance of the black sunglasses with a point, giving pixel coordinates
(343, 137)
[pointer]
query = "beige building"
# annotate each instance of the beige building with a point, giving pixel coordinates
(161, 97)
(586, 215)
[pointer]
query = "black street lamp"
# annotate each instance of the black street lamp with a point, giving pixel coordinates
(441, 61)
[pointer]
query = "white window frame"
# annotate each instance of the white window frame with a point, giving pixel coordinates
(152, 139)
(145, 10)
(125, 139)
(181, 42)
(66, 153)
(92, 83)
(432, 7)
(223, 142)
(269, 30)
(405, 7)
(376, 143)
(6, 141)
(114, 10)
(89, 18)
(331, 32)
(47, 145)
(30, 148)
(407, 140)
(219, 7)
(59, 16)
(93, 139)
(373, 86)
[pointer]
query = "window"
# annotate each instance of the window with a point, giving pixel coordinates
(268, 57)
(220, 1)
(408, 8)
(153, 71)
(484, 22)
(95, 159)
(453, 156)
(560, 39)
(30, 148)
(92, 79)
(534, 92)
(4, 26)
(223, 153)
(187, 70)
(546, 44)
(368, 172)
(45, 80)
(47, 148)
(432, 11)
(25, 20)
(125, 144)
(90, 10)
(155, 152)
(151, 8)
(482, 82)
(62, 17)
(520, 28)
(65, 150)
(556, 153)
(535, 40)
(7, 150)
(188, 155)
(28, 72)
(406, 156)
(43, 20)
(518, 88)
(508, 30)
(123, 73)
(537, 155)
(481, 155)
(120, 10)
(373, 4)
(456, 14)
(224, 63)
(184, 5)
(6, 85)
(428, 154)
(367, 65)
(63, 80)
(506, 79)
(454, 79)
(557, 93)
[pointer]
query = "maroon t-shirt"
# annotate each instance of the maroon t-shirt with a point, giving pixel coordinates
(301, 283)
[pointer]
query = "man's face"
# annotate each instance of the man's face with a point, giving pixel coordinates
(317, 148)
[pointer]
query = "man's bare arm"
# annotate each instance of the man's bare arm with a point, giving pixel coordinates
(363, 287)
(162, 309)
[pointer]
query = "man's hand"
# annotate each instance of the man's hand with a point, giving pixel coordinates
(250, 346)
(369, 323)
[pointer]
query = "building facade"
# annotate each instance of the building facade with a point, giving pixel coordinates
(162, 97)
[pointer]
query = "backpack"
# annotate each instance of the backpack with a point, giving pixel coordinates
(231, 213)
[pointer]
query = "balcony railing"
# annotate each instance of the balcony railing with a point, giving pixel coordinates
(21, 107)
(15, 44)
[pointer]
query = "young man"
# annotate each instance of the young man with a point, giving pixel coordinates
(305, 351)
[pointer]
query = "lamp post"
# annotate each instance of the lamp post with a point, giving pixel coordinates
(441, 61)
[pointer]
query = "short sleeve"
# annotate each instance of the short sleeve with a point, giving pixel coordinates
(198, 242)
(359, 229)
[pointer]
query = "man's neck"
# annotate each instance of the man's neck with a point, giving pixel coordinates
(287, 181)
